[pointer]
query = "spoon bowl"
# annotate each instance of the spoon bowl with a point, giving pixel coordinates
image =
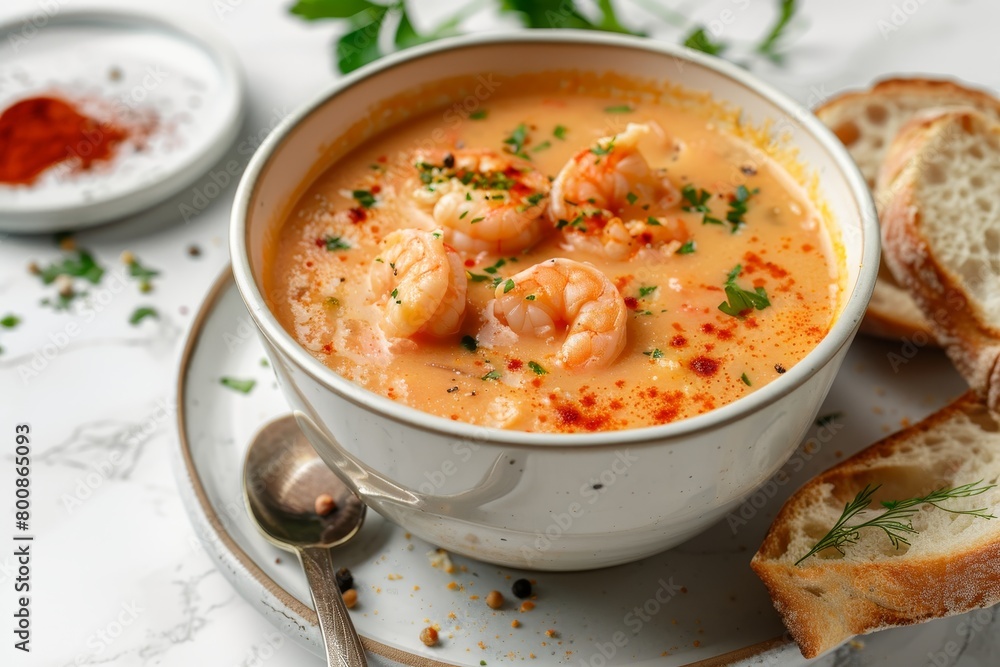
(282, 479)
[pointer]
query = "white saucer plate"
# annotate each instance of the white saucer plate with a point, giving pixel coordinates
(697, 604)
(122, 63)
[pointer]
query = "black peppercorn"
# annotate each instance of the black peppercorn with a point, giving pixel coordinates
(521, 588)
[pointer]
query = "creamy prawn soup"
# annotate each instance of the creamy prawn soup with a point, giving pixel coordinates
(557, 262)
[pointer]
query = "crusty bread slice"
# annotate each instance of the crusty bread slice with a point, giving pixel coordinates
(952, 564)
(866, 122)
(941, 235)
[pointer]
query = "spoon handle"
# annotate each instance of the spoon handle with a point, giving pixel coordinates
(341, 640)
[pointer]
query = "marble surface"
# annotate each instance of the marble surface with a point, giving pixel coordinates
(118, 575)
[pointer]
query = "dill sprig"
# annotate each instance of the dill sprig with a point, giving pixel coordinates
(896, 522)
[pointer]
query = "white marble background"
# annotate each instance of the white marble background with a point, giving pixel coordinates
(116, 578)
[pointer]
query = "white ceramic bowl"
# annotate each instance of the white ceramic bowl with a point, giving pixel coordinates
(545, 501)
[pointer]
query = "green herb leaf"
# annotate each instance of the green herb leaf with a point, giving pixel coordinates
(515, 142)
(365, 198)
(653, 222)
(560, 132)
(141, 313)
(242, 386)
(603, 150)
(334, 243)
(10, 321)
(699, 40)
(361, 45)
(492, 375)
(537, 368)
(829, 418)
(738, 207)
(746, 380)
(311, 10)
(741, 300)
(687, 248)
(647, 290)
(470, 343)
(508, 286)
(632, 198)
(897, 521)
(620, 108)
(769, 45)
(478, 114)
(542, 146)
(654, 353)
(80, 265)
(143, 273)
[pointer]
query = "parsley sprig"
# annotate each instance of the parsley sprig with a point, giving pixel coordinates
(370, 26)
(897, 520)
(697, 202)
(741, 300)
(738, 207)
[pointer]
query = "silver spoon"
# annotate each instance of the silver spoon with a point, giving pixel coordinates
(282, 478)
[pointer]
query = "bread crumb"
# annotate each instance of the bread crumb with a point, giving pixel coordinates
(452, 586)
(416, 588)
(394, 577)
(482, 644)
(494, 600)
(429, 636)
(527, 605)
(696, 643)
(67, 243)
(451, 615)
(551, 633)
(515, 623)
(350, 598)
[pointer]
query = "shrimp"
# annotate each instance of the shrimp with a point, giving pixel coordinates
(607, 200)
(420, 284)
(484, 200)
(557, 292)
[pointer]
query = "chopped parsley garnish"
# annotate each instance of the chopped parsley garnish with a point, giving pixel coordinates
(653, 222)
(537, 368)
(515, 142)
(655, 353)
(478, 114)
(475, 220)
(395, 294)
(620, 108)
(508, 286)
(698, 202)
(533, 199)
(603, 150)
(462, 216)
(10, 321)
(829, 418)
(632, 198)
(143, 273)
(470, 343)
(141, 313)
(82, 266)
(560, 132)
(738, 207)
(530, 297)
(496, 266)
(646, 290)
(741, 300)
(333, 243)
(542, 146)
(687, 248)
(364, 197)
(242, 386)
(699, 40)
(576, 222)
(492, 375)
(746, 380)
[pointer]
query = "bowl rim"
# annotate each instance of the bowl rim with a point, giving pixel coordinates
(839, 335)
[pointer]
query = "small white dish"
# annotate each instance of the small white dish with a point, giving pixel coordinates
(136, 64)
(722, 614)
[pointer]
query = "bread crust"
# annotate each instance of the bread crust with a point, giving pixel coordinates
(959, 325)
(824, 602)
(893, 315)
